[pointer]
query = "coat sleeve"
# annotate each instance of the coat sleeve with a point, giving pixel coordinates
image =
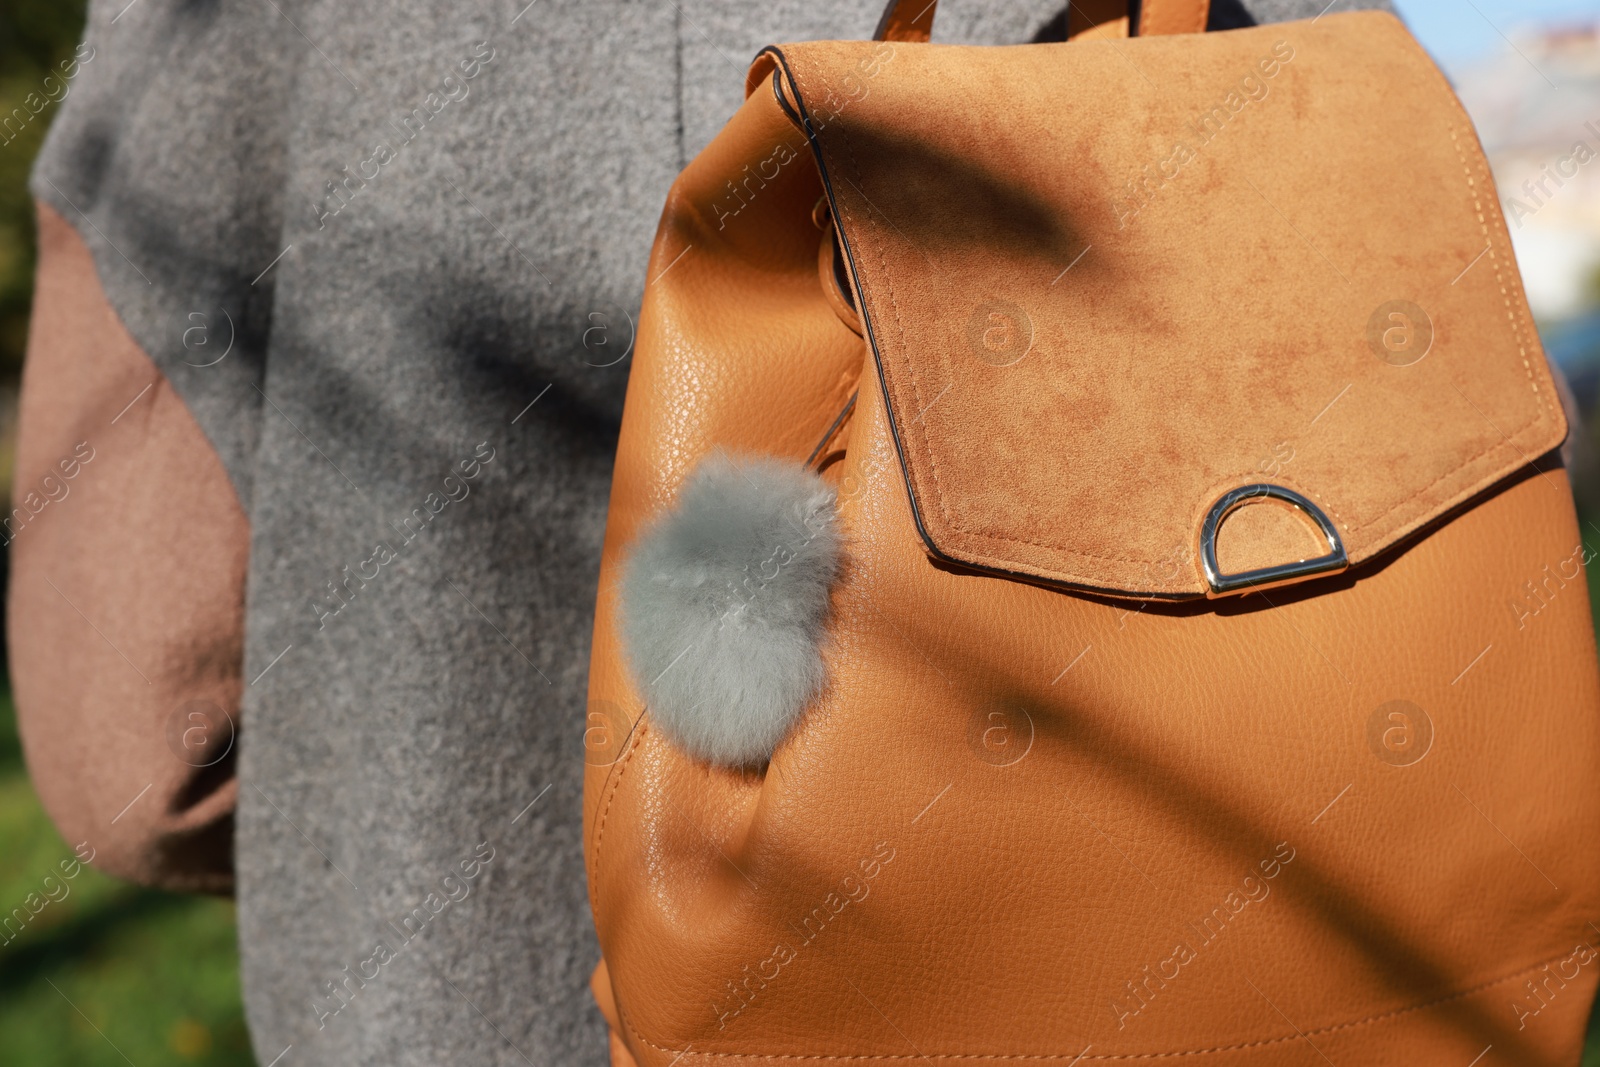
(125, 609)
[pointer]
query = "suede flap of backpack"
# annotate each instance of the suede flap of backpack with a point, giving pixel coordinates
(1108, 281)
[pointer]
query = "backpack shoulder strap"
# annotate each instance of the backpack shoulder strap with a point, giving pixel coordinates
(912, 20)
(1172, 16)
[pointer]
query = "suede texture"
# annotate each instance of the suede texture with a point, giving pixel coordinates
(1073, 380)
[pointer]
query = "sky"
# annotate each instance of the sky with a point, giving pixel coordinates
(1457, 31)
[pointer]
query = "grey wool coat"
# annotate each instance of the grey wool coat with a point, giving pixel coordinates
(377, 262)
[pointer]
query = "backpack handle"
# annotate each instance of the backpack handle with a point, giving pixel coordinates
(912, 20)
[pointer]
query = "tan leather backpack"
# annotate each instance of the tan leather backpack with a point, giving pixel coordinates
(1130, 608)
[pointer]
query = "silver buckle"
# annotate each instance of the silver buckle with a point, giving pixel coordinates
(1219, 584)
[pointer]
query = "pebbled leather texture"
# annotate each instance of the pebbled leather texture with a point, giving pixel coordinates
(1058, 338)
(1345, 821)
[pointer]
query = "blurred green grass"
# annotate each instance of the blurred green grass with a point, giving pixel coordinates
(109, 974)
(35, 36)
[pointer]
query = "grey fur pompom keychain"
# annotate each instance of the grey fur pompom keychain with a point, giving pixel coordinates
(724, 600)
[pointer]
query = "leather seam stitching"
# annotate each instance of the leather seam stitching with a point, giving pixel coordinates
(626, 761)
(1238, 1047)
(1543, 410)
(1516, 335)
(888, 281)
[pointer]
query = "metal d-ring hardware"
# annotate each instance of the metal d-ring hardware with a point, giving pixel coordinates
(1219, 584)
